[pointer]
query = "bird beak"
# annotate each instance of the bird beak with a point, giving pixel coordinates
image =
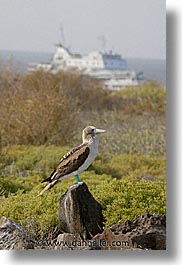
(99, 131)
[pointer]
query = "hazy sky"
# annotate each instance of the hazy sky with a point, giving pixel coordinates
(135, 28)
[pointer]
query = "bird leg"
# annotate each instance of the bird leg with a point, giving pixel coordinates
(78, 180)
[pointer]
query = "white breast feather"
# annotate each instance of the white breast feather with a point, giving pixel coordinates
(93, 146)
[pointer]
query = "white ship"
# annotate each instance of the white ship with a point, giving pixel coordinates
(111, 68)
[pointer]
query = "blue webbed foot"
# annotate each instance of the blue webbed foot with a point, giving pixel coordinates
(78, 180)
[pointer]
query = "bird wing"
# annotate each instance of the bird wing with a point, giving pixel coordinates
(70, 162)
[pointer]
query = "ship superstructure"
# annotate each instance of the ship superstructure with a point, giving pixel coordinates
(111, 68)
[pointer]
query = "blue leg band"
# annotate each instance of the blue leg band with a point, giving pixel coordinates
(78, 180)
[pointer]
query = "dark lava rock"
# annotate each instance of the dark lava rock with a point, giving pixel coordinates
(147, 231)
(79, 213)
(13, 235)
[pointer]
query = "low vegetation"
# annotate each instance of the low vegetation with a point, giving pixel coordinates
(42, 108)
(121, 199)
(126, 185)
(41, 118)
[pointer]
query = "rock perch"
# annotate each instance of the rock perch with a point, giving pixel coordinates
(79, 213)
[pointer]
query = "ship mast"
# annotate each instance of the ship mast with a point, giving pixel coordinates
(63, 40)
(103, 41)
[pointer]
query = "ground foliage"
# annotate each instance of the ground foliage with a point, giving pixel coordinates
(41, 118)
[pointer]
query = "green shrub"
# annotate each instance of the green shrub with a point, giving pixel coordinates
(149, 97)
(131, 166)
(8, 186)
(39, 215)
(37, 158)
(13, 183)
(120, 199)
(45, 159)
(125, 199)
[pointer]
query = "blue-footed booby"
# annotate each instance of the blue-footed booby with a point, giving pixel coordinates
(76, 160)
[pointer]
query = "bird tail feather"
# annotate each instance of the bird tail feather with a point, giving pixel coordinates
(49, 179)
(48, 186)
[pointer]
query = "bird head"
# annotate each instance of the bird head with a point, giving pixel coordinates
(90, 132)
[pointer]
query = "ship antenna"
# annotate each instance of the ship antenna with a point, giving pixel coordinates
(103, 41)
(63, 40)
